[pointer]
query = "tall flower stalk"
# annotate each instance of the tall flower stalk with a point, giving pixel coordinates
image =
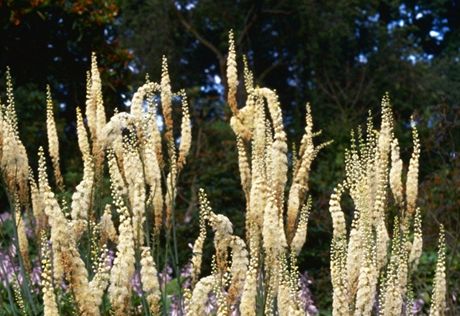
(117, 253)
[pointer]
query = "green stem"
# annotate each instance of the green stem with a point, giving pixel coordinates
(164, 294)
(8, 289)
(25, 284)
(176, 255)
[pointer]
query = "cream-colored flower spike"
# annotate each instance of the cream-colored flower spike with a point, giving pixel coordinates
(232, 76)
(438, 298)
(100, 280)
(37, 204)
(248, 76)
(13, 157)
(367, 280)
(113, 131)
(53, 141)
(150, 284)
(166, 101)
(249, 294)
(66, 259)
(232, 277)
(123, 269)
(263, 163)
(21, 231)
(223, 235)
(200, 295)
(412, 175)
(10, 111)
(301, 233)
(338, 218)
(358, 259)
(95, 112)
(155, 135)
(391, 295)
(300, 178)
(396, 173)
(278, 150)
(138, 99)
(117, 181)
(238, 269)
(417, 243)
(171, 179)
(340, 295)
(241, 120)
(83, 142)
(96, 90)
(258, 190)
(205, 210)
(106, 226)
(243, 164)
(186, 133)
(134, 176)
(159, 172)
(301, 170)
(82, 198)
(139, 172)
(90, 110)
(49, 297)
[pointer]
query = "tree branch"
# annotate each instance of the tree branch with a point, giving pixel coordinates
(200, 37)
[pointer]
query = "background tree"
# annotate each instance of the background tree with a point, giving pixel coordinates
(50, 42)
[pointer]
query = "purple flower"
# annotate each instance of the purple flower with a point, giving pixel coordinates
(165, 275)
(9, 268)
(211, 304)
(417, 306)
(305, 295)
(176, 309)
(186, 273)
(4, 217)
(35, 277)
(136, 283)
(110, 258)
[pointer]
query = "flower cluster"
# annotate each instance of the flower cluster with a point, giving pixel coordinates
(114, 251)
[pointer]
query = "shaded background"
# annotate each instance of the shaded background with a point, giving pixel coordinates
(339, 55)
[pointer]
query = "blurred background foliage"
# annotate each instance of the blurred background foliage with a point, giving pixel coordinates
(340, 55)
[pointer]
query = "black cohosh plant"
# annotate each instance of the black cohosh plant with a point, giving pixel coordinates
(105, 259)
